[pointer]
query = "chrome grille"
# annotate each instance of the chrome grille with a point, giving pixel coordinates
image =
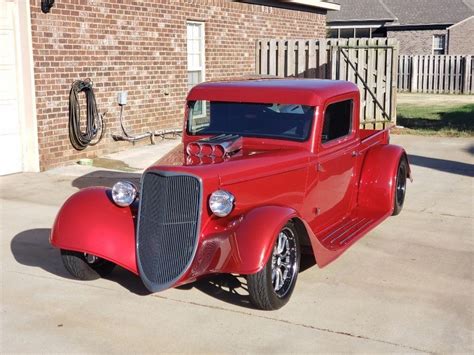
(168, 224)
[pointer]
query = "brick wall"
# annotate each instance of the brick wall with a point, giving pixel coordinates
(140, 47)
(461, 37)
(416, 41)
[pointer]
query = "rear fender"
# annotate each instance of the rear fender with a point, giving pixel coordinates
(90, 222)
(246, 247)
(378, 178)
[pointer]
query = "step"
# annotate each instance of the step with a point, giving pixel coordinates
(350, 228)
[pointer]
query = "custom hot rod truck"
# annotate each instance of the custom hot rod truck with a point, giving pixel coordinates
(265, 168)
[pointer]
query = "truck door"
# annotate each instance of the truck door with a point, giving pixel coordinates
(332, 175)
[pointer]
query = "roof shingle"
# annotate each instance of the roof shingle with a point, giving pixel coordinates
(404, 12)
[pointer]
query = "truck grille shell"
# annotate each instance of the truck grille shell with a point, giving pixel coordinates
(168, 227)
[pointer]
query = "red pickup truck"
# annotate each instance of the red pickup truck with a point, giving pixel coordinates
(265, 168)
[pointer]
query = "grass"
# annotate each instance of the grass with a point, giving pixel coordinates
(438, 119)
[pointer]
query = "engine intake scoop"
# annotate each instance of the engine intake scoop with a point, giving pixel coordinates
(219, 146)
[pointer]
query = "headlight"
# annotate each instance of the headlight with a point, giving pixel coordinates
(221, 203)
(124, 193)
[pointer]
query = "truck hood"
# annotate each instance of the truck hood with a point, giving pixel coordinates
(252, 162)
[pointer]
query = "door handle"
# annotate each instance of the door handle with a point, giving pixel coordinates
(355, 154)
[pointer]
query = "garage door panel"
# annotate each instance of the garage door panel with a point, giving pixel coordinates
(11, 159)
(8, 88)
(7, 54)
(10, 149)
(9, 123)
(6, 15)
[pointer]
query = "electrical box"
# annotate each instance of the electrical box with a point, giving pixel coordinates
(122, 98)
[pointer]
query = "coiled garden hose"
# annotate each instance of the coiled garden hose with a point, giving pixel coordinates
(95, 126)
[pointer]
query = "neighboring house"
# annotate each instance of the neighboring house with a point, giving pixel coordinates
(421, 26)
(155, 50)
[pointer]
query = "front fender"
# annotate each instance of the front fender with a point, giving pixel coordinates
(90, 222)
(245, 246)
(378, 178)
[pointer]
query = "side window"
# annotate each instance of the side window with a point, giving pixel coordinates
(337, 121)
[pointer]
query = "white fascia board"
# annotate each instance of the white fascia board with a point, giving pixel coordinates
(316, 3)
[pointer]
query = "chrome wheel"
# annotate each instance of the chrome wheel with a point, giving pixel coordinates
(272, 286)
(284, 262)
(401, 183)
(400, 186)
(91, 259)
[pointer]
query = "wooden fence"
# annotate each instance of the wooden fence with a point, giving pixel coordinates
(439, 74)
(370, 63)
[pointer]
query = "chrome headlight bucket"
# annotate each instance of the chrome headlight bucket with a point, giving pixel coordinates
(124, 193)
(221, 203)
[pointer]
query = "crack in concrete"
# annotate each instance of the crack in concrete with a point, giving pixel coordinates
(424, 210)
(357, 336)
(326, 330)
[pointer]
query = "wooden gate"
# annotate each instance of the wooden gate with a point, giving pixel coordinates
(369, 62)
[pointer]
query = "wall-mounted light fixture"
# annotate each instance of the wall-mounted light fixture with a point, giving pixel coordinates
(46, 5)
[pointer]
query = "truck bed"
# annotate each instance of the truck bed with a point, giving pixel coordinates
(370, 137)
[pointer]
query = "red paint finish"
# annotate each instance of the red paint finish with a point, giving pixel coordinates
(90, 222)
(338, 191)
(377, 182)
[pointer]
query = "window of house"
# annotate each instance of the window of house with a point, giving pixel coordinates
(196, 65)
(333, 33)
(337, 121)
(439, 44)
(347, 33)
(363, 32)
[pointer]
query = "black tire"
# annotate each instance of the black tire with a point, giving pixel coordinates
(264, 294)
(78, 266)
(400, 186)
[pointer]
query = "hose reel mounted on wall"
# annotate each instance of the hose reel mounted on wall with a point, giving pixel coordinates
(95, 126)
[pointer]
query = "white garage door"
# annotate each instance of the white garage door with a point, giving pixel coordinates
(10, 132)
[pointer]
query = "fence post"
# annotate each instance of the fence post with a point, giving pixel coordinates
(322, 59)
(414, 74)
(282, 64)
(257, 57)
(466, 71)
(393, 92)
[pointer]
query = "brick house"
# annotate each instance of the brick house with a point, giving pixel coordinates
(154, 50)
(421, 26)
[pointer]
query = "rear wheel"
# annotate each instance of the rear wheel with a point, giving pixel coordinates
(85, 266)
(271, 288)
(400, 186)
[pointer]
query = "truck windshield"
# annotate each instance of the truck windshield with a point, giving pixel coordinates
(271, 120)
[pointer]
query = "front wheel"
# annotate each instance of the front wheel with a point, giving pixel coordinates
(271, 287)
(85, 266)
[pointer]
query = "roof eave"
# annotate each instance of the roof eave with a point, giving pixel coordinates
(394, 26)
(316, 3)
(335, 22)
(460, 22)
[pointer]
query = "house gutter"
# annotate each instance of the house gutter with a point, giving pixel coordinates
(315, 3)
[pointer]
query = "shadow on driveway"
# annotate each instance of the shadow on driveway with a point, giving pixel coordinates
(447, 166)
(105, 178)
(32, 248)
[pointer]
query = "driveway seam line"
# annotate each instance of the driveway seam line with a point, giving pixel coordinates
(296, 324)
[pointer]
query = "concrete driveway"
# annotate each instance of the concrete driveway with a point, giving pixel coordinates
(405, 287)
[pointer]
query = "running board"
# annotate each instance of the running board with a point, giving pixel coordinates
(340, 236)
